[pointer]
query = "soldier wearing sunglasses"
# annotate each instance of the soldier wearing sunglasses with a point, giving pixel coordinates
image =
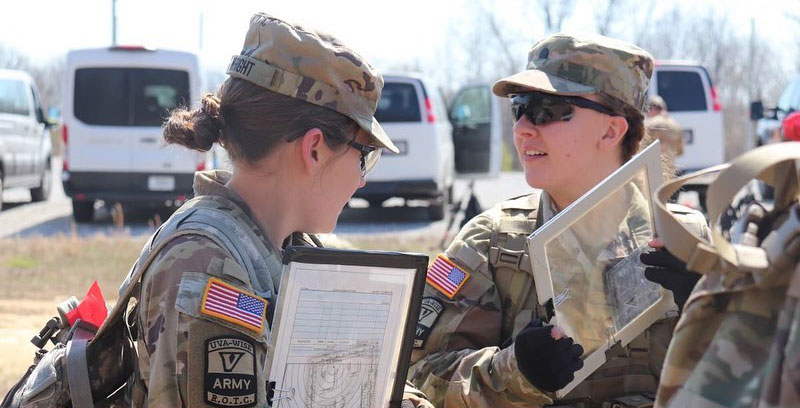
(480, 339)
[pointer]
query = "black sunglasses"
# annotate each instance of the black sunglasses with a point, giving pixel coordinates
(369, 156)
(541, 108)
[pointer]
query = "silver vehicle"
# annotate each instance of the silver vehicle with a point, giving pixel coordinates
(25, 146)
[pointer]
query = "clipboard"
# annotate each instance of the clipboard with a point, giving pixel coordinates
(344, 327)
(602, 302)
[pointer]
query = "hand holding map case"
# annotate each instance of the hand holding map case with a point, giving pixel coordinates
(586, 264)
(343, 328)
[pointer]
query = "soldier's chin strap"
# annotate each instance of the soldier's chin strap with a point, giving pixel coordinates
(774, 164)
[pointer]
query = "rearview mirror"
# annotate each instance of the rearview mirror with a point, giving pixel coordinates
(756, 110)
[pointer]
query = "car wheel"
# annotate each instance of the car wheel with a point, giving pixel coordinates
(42, 193)
(83, 211)
(438, 206)
(1, 191)
(375, 202)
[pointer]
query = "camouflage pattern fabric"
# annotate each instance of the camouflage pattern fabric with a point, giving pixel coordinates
(314, 67)
(668, 131)
(468, 360)
(173, 331)
(736, 344)
(567, 64)
(580, 256)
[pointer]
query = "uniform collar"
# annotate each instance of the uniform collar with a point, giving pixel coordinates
(547, 206)
(214, 182)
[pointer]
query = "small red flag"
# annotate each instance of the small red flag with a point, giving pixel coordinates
(92, 308)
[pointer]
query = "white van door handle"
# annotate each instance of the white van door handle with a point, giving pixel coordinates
(148, 140)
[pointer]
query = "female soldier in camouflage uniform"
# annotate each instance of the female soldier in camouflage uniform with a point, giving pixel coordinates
(296, 118)
(480, 343)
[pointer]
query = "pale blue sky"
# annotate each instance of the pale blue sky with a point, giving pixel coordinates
(388, 33)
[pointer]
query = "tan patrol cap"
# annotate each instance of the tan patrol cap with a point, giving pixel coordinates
(566, 64)
(314, 67)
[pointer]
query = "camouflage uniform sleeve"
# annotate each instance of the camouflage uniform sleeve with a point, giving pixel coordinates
(174, 341)
(456, 361)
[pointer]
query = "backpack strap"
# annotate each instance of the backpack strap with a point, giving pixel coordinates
(80, 390)
(508, 248)
(233, 235)
(773, 164)
(118, 311)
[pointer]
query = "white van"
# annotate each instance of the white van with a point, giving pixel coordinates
(115, 101)
(414, 116)
(25, 146)
(692, 101)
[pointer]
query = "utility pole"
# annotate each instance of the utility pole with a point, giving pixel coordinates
(200, 32)
(113, 22)
(750, 135)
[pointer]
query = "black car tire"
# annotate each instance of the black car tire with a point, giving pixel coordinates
(83, 211)
(1, 191)
(438, 206)
(42, 193)
(375, 202)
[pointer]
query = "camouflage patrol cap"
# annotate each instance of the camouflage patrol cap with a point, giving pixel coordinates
(657, 102)
(314, 67)
(566, 64)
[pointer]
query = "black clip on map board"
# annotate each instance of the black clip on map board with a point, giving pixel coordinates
(380, 259)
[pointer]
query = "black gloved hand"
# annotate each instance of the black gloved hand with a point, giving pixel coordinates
(548, 364)
(670, 272)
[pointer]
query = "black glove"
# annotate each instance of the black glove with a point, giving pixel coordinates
(670, 272)
(548, 364)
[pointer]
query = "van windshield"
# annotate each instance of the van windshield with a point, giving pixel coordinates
(13, 98)
(128, 96)
(398, 103)
(683, 91)
(790, 98)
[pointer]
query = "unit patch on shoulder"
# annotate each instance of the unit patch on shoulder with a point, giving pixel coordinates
(233, 305)
(429, 313)
(446, 277)
(230, 377)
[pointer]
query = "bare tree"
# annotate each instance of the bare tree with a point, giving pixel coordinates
(12, 59)
(796, 18)
(605, 17)
(47, 76)
(555, 12)
(663, 38)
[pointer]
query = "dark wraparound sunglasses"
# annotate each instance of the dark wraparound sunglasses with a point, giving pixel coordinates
(369, 156)
(541, 108)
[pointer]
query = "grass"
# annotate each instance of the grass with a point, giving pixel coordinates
(38, 273)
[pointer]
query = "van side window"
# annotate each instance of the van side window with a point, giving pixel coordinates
(155, 92)
(399, 103)
(682, 91)
(37, 105)
(128, 96)
(473, 105)
(14, 98)
(790, 98)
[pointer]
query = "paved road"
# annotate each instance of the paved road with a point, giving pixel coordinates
(21, 218)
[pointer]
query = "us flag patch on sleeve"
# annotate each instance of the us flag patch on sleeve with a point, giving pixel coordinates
(446, 277)
(233, 305)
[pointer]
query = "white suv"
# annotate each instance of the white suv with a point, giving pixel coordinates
(692, 101)
(25, 146)
(115, 101)
(414, 116)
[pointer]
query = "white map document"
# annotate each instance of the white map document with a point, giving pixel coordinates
(339, 334)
